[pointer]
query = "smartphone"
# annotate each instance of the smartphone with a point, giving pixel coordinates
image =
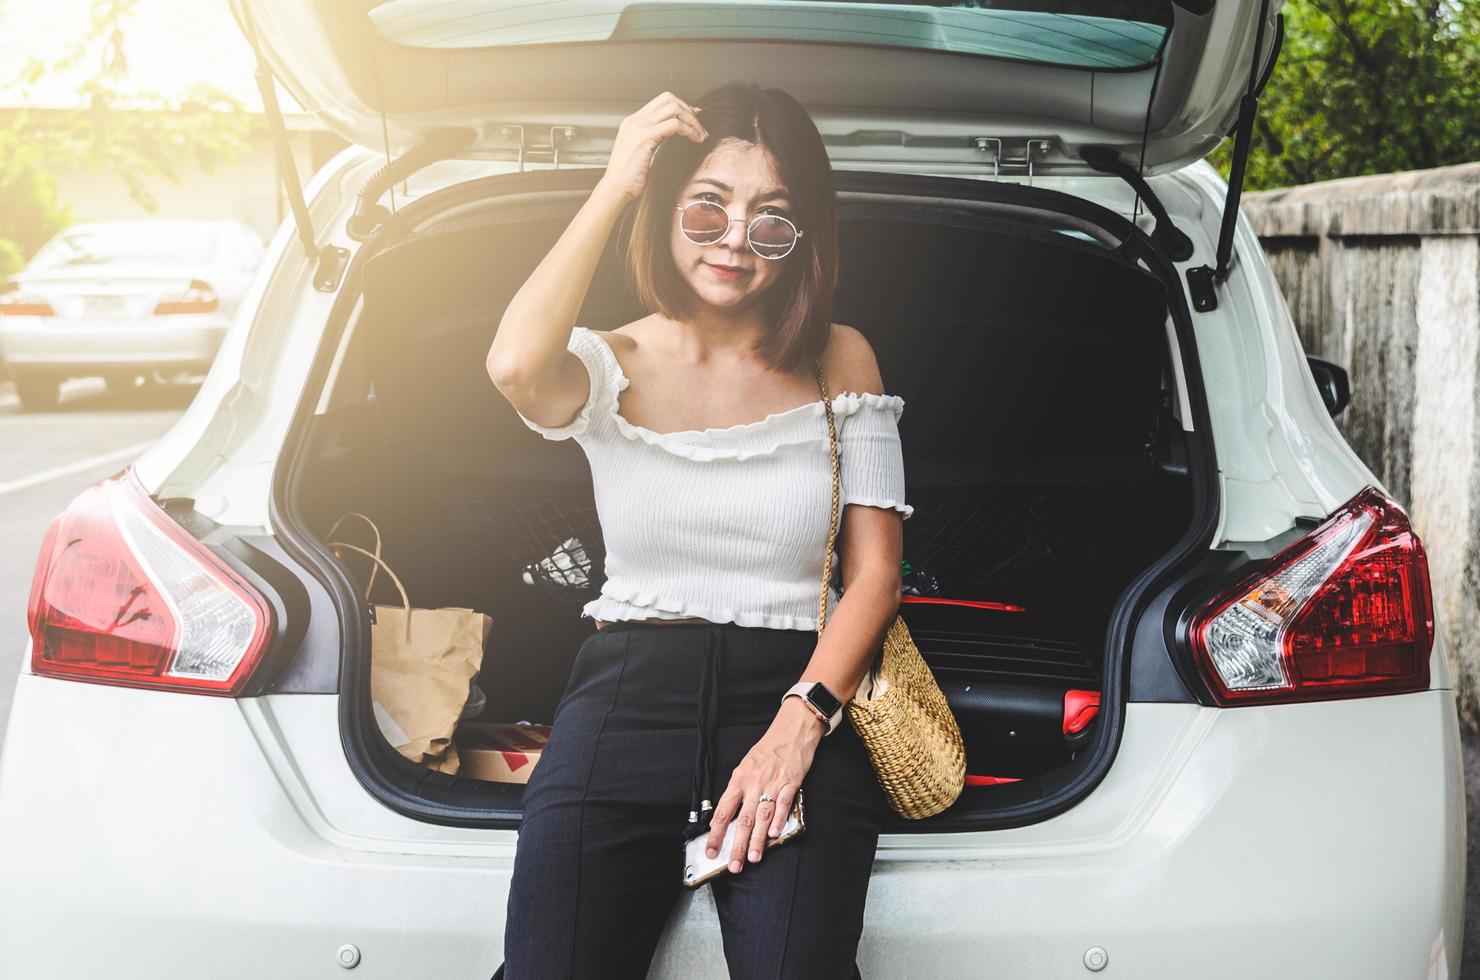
(699, 867)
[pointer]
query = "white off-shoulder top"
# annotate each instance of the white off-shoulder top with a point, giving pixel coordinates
(725, 524)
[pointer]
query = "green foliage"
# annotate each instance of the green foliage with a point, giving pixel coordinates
(136, 135)
(30, 211)
(1366, 87)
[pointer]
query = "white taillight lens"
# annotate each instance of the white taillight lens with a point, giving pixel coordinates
(123, 595)
(1345, 611)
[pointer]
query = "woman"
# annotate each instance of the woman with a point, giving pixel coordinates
(708, 444)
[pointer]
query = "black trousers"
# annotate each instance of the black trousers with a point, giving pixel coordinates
(655, 717)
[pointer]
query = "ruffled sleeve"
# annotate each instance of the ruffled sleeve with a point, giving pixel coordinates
(605, 381)
(871, 463)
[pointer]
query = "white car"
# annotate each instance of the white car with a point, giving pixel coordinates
(120, 299)
(1211, 731)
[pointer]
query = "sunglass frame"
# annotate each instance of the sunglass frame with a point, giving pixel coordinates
(797, 232)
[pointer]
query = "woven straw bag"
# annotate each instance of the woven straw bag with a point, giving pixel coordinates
(899, 710)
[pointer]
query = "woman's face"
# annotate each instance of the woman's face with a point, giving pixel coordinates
(741, 178)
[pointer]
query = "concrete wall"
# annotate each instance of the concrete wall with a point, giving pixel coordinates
(1382, 275)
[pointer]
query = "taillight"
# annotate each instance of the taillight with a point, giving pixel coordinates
(123, 595)
(13, 302)
(1344, 612)
(198, 297)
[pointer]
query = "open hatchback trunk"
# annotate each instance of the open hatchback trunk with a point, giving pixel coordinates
(1045, 459)
(1041, 343)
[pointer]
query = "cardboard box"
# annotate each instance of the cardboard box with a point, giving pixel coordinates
(500, 752)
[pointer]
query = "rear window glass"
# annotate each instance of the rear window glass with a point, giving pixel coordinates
(1099, 34)
(142, 247)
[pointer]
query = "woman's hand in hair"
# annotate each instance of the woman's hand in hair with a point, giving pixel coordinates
(638, 138)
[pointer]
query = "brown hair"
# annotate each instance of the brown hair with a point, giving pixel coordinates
(799, 304)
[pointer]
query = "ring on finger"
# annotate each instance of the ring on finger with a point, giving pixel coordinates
(767, 798)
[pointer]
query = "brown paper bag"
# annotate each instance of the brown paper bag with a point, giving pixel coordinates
(421, 663)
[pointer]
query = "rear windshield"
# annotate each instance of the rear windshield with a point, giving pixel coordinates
(1099, 34)
(126, 247)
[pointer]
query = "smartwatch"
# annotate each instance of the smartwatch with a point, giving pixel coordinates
(824, 703)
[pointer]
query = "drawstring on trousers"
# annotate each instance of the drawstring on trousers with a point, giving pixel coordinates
(700, 805)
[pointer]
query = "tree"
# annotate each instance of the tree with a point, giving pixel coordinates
(134, 134)
(1368, 86)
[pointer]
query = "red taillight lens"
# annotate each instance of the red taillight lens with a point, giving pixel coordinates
(198, 297)
(13, 302)
(1344, 612)
(123, 595)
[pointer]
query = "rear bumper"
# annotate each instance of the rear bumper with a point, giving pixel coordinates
(176, 834)
(62, 346)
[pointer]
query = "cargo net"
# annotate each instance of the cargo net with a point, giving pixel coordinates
(959, 542)
(552, 536)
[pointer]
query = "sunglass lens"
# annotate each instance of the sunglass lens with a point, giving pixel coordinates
(772, 236)
(705, 222)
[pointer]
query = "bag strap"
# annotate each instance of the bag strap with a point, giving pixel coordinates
(381, 563)
(832, 526)
(374, 569)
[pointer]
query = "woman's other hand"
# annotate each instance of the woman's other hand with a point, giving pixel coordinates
(638, 138)
(776, 764)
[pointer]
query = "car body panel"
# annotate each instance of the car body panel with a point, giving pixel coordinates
(252, 387)
(186, 341)
(374, 82)
(1192, 858)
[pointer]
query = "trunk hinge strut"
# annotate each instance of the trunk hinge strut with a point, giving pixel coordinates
(1202, 282)
(331, 258)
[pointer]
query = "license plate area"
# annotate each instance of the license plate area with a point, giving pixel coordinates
(105, 305)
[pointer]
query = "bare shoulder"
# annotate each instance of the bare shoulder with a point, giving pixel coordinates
(625, 340)
(850, 362)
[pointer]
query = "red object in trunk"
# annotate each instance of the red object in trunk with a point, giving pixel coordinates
(989, 780)
(1079, 708)
(971, 603)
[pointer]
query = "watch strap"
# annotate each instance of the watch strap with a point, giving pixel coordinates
(803, 690)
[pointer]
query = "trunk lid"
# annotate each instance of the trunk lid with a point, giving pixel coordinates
(994, 86)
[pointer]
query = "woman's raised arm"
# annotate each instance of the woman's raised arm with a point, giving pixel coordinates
(528, 361)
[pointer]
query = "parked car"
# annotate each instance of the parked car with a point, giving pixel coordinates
(121, 299)
(1210, 726)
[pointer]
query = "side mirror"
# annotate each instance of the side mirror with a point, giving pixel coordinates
(1332, 382)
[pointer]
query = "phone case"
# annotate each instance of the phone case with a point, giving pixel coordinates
(699, 867)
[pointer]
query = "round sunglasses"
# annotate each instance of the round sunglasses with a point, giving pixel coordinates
(771, 236)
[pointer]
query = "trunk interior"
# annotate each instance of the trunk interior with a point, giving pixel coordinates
(1042, 459)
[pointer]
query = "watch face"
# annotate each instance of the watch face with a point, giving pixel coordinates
(824, 699)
